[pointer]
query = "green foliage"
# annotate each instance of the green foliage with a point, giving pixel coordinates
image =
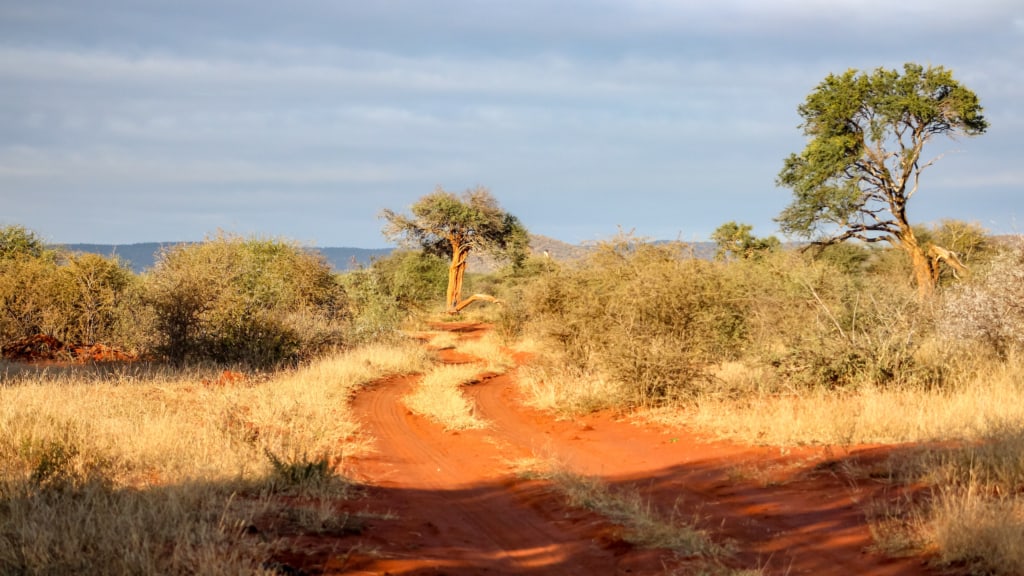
(647, 315)
(255, 301)
(863, 160)
(19, 242)
(968, 240)
(735, 240)
(76, 298)
(302, 473)
(384, 294)
(442, 220)
(850, 257)
(98, 300)
(26, 286)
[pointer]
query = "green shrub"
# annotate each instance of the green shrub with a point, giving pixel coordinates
(19, 242)
(385, 293)
(26, 286)
(76, 298)
(821, 321)
(647, 315)
(253, 301)
(98, 300)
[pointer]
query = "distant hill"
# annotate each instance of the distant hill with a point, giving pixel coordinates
(143, 255)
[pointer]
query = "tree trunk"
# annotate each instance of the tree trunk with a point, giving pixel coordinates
(456, 272)
(924, 267)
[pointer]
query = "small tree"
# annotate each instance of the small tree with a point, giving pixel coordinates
(736, 240)
(452, 226)
(20, 242)
(863, 162)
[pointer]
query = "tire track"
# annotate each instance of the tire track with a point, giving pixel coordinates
(469, 513)
(808, 523)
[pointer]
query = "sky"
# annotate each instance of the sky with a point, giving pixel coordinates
(125, 121)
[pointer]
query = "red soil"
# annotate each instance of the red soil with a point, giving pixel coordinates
(451, 503)
(43, 348)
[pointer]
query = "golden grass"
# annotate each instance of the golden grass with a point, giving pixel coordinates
(438, 396)
(548, 385)
(978, 532)
(641, 523)
(489, 351)
(869, 414)
(135, 471)
(443, 340)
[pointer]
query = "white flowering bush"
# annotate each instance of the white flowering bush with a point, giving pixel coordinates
(990, 309)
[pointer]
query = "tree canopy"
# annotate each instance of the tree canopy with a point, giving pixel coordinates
(20, 242)
(452, 226)
(736, 240)
(864, 162)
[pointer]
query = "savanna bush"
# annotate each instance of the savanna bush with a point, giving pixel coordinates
(660, 321)
(255, 301)
(98, 299)
(389, 290)
(989, 308)
(836, 318)
(25, 289)
(76, 298)
(647, 315)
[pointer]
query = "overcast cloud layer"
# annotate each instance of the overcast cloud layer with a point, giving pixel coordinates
(130, 121)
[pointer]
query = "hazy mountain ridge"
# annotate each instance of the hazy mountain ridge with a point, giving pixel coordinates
(143, 255)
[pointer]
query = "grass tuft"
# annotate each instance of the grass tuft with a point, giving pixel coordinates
(438, 396)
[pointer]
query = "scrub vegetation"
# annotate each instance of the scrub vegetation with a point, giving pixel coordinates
(246, 351)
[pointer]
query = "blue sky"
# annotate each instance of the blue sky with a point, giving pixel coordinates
(128, 121)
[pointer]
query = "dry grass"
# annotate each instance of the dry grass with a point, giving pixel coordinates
(566, 391)
(488, 349)
(438, 396)
(443, 340)
(137, 471)
(975, 516)
(978, 532)
(869, 414)
(642, 524)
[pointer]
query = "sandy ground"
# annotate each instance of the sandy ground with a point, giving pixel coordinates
(456, 503)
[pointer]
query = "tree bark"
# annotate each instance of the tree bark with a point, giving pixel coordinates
(456, 272)
(924, 267)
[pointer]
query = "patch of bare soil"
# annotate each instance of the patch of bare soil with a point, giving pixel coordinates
(439, 502)
(44, 348)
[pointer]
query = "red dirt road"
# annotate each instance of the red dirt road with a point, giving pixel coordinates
(451, 503)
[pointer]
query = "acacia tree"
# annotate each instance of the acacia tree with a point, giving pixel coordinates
(453, 226)
(736, 240)
(863, 162)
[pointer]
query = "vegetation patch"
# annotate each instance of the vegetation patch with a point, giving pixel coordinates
(438, 396)
(148, 470)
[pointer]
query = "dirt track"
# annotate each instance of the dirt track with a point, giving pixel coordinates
(454, 504)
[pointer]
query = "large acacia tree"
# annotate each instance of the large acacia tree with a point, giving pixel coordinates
(863, 161)
(453, 226)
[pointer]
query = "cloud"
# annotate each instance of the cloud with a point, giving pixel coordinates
(670, 115)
